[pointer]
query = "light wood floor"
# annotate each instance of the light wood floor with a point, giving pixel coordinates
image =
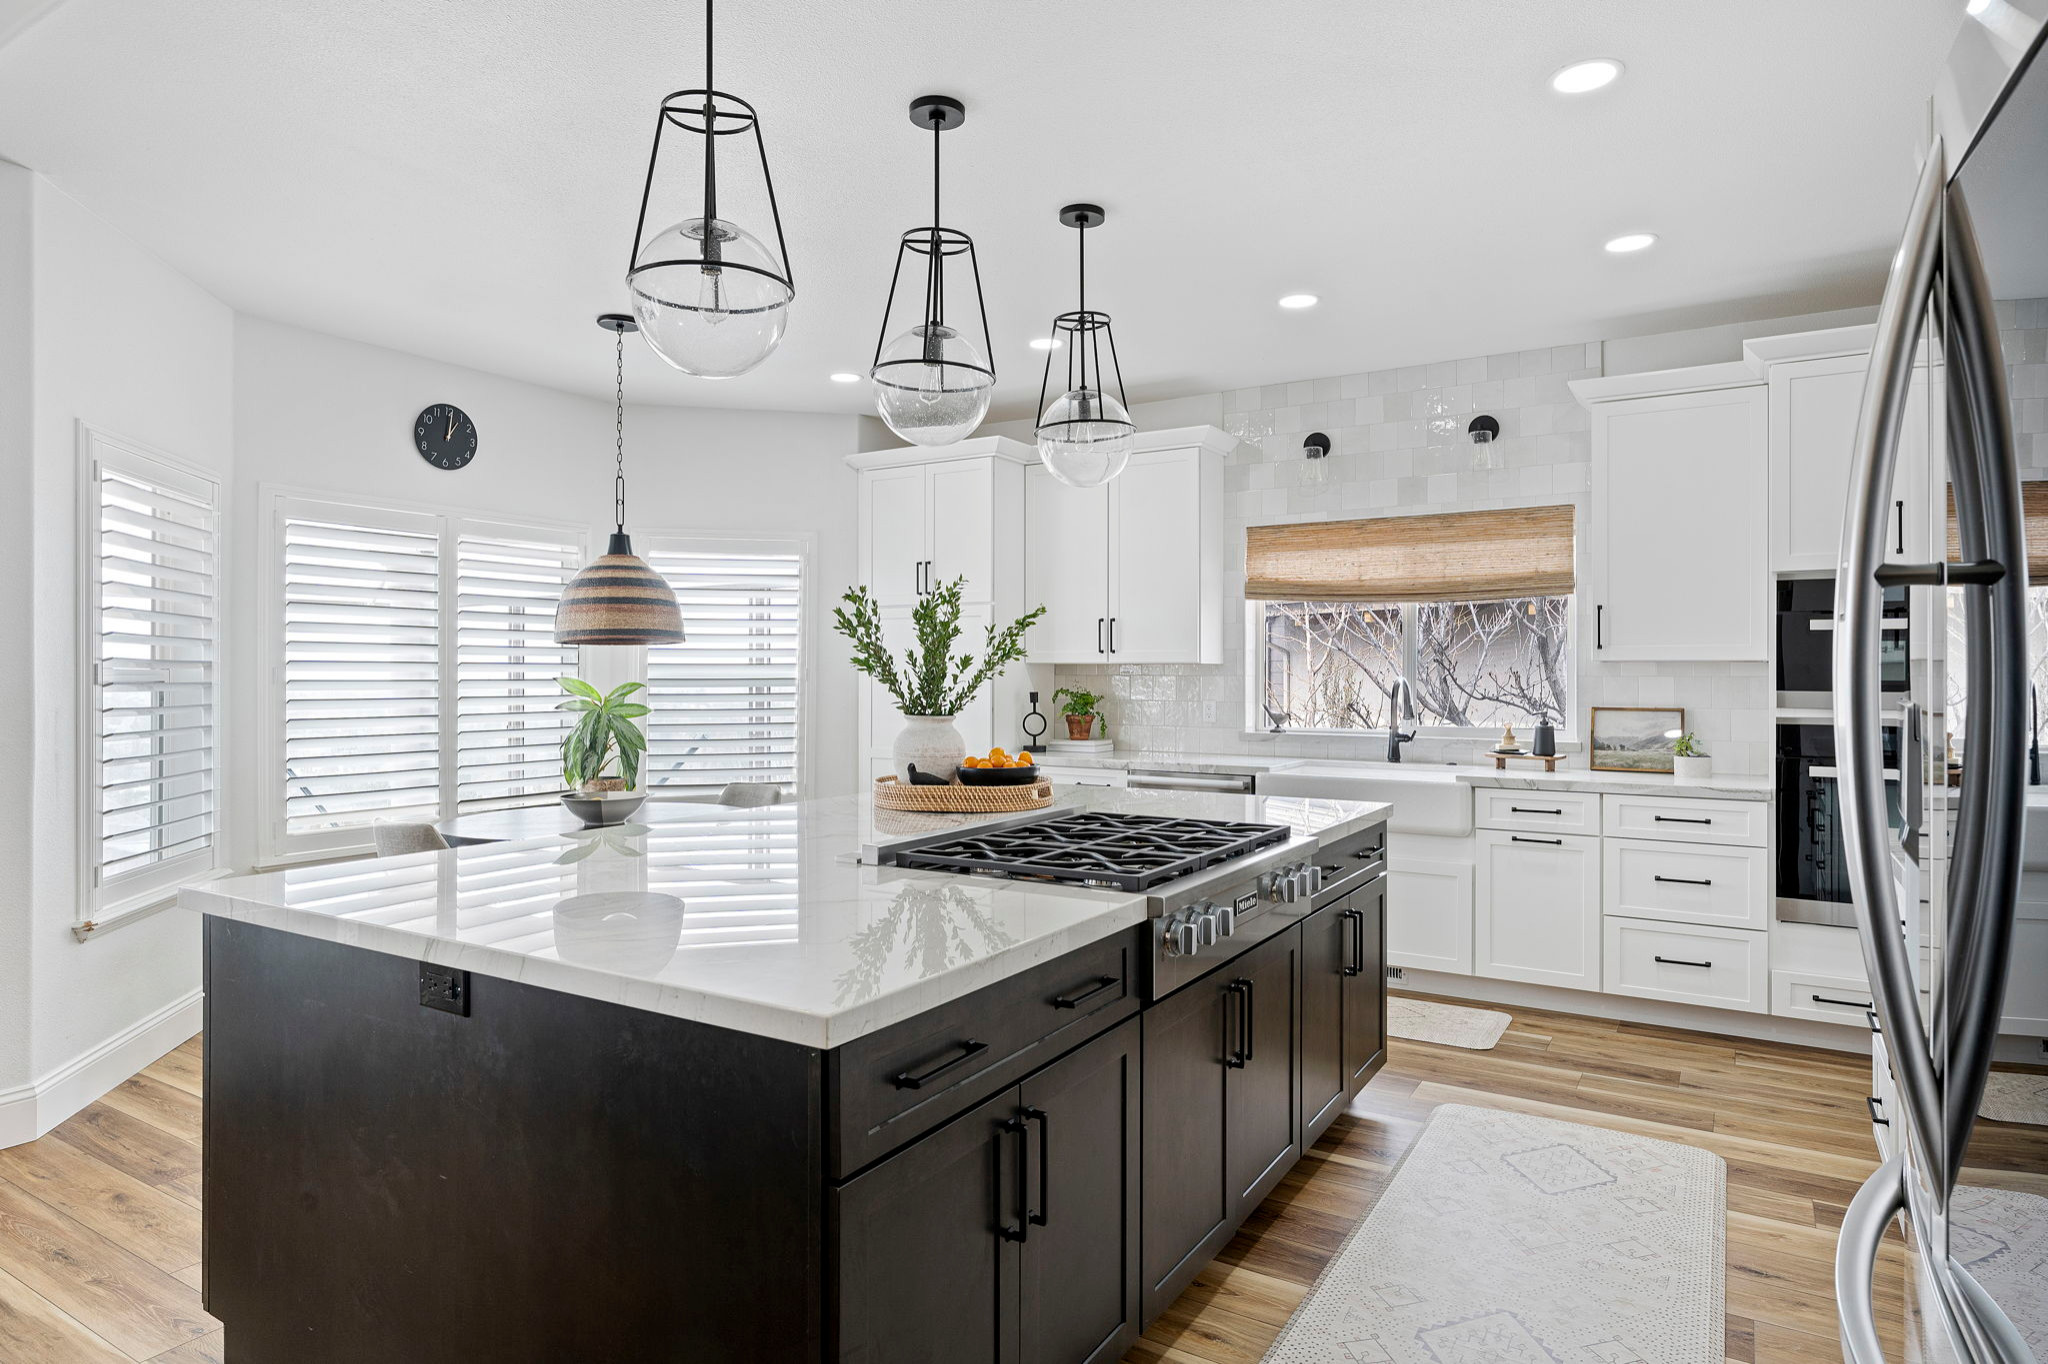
(99, 1221)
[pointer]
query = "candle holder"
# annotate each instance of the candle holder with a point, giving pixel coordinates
(1033, 736)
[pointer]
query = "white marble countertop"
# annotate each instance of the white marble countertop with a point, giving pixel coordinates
(758, 920)
(1124, 759)
(1720, 786)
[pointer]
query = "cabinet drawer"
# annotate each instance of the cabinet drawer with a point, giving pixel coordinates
(889, 1087)
(1827, 999)
(1725, 968)
(1568, 812)
(1692, 883)
(1686, 821)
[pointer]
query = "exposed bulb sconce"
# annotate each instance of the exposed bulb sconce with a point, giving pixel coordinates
(1485, 432)
(1315, 448)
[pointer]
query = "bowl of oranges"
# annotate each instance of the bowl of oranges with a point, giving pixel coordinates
(999, 768)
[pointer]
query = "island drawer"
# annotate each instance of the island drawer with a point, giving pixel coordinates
(890, 1087)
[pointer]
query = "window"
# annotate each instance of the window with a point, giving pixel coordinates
(151, 593)
(726, 700)
(418, 668)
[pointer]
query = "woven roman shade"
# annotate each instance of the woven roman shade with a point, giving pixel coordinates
(1450, 556)
(2034, 510)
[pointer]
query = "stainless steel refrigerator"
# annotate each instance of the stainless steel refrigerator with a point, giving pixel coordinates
(1954, 932)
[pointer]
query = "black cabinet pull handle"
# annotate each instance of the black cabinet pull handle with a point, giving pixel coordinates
(1553, 842)
(1680, 961)
(1100, 621)
(1112, 634)
(1901, 507)
(1873, 1103)
(1075, 1001)
(1234, 1026)
(1038, 1116)
(1862, 1004)
(968, 1051)
(1679, 819)
(1369, 854)
(1250, 1046)
(1356, 966)
(1350, 966)
(1599, 627)
(1871, 1014)
(1022, 1230)
(1531, 810)
(1682, 880)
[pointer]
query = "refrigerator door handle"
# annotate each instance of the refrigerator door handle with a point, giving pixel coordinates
(1882, 1196)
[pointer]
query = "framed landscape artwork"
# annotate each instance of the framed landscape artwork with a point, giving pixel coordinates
(1634, 738)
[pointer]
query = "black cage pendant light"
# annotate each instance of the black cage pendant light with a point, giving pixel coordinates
(1084, 437)
(618, 599)
(710, 296)
(932, 384)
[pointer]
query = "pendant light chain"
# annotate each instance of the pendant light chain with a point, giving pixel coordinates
(619, 435)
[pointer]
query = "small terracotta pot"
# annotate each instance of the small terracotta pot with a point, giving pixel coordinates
(1079, 725)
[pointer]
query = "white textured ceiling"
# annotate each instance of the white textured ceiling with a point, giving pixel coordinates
(459, 178)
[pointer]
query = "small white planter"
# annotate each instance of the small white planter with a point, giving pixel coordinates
(932, 743)
(1692, 771)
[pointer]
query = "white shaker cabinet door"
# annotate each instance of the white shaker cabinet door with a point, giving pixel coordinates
(1156, 597)
(1066, 569)
(894, 519)
(963, 515)
(1814, 405)
(1536, 916)
(1678, 561)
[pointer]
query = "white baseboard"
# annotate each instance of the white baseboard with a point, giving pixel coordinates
(33, 1109)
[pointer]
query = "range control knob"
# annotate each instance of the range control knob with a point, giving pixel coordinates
(1315, 877)
(1290, 885)
(1186, 939)
(1206, 926)
(1226, 921)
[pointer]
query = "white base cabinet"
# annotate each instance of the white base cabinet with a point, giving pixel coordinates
(1536, 915)
(1429, 903)
(1722, 968)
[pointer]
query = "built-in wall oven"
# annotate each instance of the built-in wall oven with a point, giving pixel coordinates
(1806, 643)
(1813, 865)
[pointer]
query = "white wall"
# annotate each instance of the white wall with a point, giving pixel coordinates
(17, 692)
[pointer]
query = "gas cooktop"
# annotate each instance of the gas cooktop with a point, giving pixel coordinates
(1127, 852)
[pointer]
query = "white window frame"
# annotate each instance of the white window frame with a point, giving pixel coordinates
(276, 847)
(137, 894)
(804, 544)
(1257, 725)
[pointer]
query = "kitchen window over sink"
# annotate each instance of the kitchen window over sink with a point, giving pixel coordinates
(1472, 609)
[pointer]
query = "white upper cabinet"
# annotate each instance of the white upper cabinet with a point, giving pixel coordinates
(1677, 564)
(1131, 572)
(1816, 391)
(950, 514)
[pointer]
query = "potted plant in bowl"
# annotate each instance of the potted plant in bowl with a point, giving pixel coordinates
(1081, 711)
(604, 739)
(1690, 763)
(930, 683)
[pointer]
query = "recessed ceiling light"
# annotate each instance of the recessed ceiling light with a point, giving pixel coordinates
(1298, 301)
(1582, 77)
(1045, 343)
(844, 378)
(1633, 241)
(1977, 6)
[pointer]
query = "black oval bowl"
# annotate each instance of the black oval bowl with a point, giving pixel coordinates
(998, 776)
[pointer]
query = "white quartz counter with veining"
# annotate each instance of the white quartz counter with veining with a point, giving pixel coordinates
(1719, 786)
(758, 920)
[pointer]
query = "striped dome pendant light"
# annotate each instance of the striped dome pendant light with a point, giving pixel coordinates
(618, 599)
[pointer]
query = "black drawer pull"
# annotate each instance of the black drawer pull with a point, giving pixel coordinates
(968, 1051)
(1531, 810)
(1354, 941)
(1038, 1116)
(1679, 819)
(1682, 880)
(1234, 1026)
(1023, 1228)
(1871, 1014)
(1248, 1035)
(1873, 1103)
(1680, 961)
(1075, 1001)
(1369, 854)
(1845, 1003)
(1553, 842)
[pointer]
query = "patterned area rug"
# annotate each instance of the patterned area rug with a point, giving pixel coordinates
(2001, 1237)
(1511, 1239)
(2014, 1096)
(1453, 1025)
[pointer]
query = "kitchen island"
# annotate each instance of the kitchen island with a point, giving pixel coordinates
(722, 1089)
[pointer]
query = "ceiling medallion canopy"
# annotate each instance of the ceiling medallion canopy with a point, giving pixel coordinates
(710, 297)
(932, 384)
(1084, 437)
(618, 598)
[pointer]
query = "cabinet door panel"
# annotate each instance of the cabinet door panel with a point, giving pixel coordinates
(1156, 570)
(924, 1274)
(1814, 405)
(1264, 1133)
(1187, 1210)
(962, 496)
(1326, 948)
(1429, 914)
(1678, 552)
(1080, 1265)
(1066, 568)
(1365, 993)
(895, 518)
(1537, 916)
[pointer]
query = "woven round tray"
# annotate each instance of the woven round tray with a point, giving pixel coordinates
(891, 794)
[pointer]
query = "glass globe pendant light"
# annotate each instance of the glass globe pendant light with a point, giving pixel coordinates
(617, 598)
(932, 384)
(1084, 436)
(710, 297)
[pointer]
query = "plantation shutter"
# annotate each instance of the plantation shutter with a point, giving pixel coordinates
(362, 666)
(725, 699)
(154, 584)
(1449, 556)
(508, 732)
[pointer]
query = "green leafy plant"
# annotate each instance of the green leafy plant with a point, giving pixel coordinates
(605, 734)
(929, 679)
(1688, 746)
(1077, 702)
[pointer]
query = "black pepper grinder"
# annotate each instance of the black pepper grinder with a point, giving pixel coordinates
(1544, 743)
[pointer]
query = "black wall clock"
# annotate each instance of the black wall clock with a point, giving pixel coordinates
(445, 436)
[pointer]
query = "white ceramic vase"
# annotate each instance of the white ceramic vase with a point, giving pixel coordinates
(1692, 771)
(932, 743)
